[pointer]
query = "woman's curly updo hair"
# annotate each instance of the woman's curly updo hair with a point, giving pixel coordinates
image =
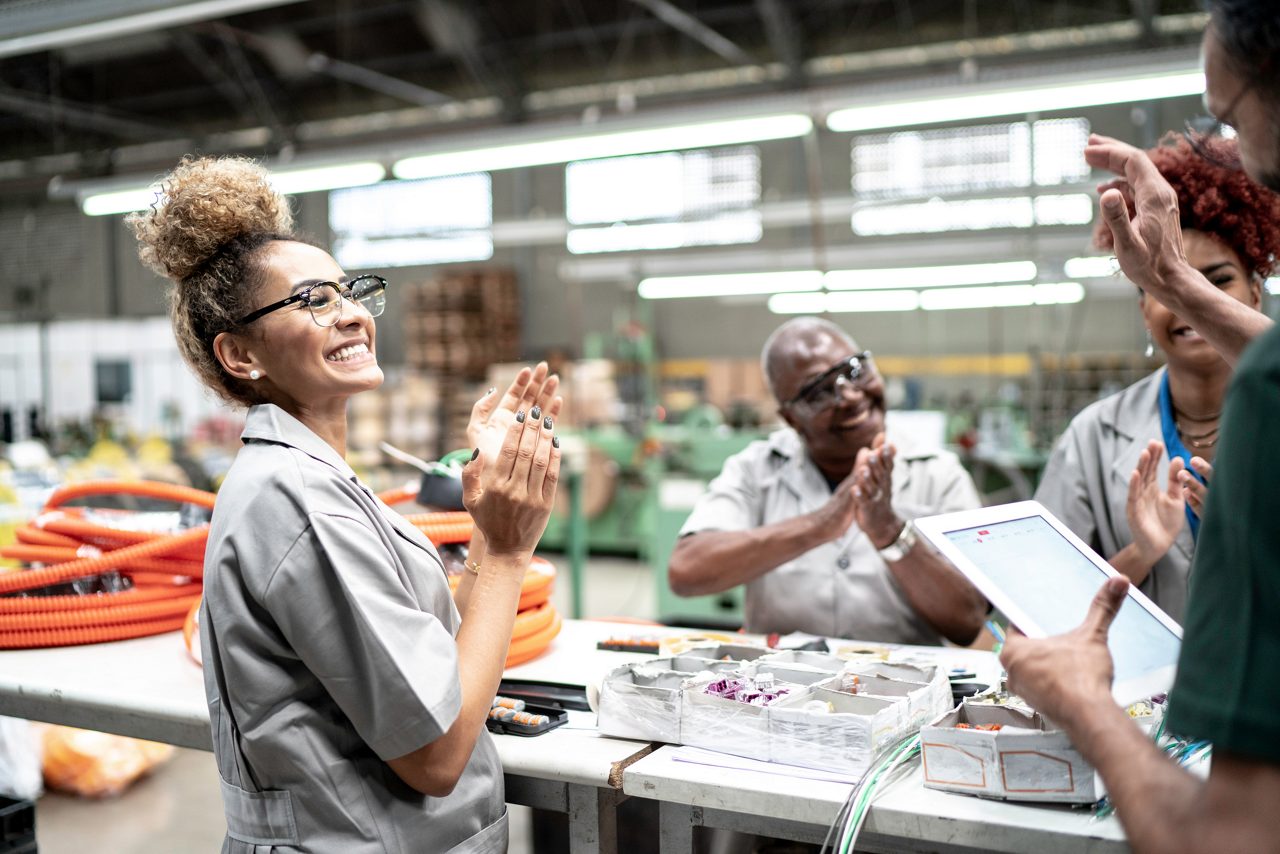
(205, 233)
(1219, 201)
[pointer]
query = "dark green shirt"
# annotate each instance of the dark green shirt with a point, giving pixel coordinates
(1228, 684)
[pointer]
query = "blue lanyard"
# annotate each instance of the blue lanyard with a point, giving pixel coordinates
(1173, 444)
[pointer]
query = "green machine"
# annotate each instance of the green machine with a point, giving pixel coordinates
(693, 453)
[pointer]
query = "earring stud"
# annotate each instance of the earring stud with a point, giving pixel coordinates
(255, 374)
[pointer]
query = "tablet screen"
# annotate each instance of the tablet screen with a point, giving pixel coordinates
(1053, 582)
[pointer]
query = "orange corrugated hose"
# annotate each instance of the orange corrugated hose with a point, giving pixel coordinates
(162, 567)
(444, 528)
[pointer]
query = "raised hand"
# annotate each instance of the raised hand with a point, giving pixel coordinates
(511, 494)
(1155, 515)
(1140, 210)
(873, 493)
(492, 416)
(1195, 492)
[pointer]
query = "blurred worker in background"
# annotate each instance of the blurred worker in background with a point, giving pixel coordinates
(816, 520)
(1130, 473)
(1228, 685)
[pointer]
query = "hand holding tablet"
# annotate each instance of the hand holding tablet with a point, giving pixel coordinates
(1044, 579)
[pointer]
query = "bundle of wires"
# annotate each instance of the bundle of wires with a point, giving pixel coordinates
(67, 544)
(1184, 753)
(853, 814)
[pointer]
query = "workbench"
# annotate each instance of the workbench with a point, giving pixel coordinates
(149, 688)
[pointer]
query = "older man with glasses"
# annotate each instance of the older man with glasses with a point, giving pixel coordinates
(816, 520)
(1228, 686)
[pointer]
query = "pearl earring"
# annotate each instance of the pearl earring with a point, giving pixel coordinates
(1151, 346)
(255, 374)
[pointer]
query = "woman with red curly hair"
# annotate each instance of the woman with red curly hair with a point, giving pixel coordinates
(1107, 478)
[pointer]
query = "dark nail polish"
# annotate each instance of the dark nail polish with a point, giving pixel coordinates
(475, 454)
(520, 417)
(555, 441)
(536, 413)
(548, 423)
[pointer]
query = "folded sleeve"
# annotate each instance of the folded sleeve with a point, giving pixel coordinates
(732, 501)
(343, 604)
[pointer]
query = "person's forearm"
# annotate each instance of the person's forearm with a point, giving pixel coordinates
(1154, 798)
(715, 561)
(1225, 322)
(940, 594)
(475, 555)
(1130, 563)
(482, 644)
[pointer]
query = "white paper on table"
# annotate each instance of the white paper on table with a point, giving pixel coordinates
(699, 756)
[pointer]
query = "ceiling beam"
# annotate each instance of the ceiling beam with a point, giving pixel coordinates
(680, 20)
(457, 31)
(83, 116)
(59, 23)
(783, 33)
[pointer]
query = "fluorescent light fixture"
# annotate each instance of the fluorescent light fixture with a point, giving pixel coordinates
(1091, 267)
(931, 277)
(729, 285)
(1029, 97)
(1002, 296)
(739, 227)
(819, 303)
(289, 182)
(590, 146)
(294, 181)
(119, 201)
(939, 215)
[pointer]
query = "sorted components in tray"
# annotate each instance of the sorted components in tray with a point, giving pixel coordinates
(793, 707)
(1004, 750)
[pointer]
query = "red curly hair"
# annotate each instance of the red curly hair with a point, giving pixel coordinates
(1219, 201)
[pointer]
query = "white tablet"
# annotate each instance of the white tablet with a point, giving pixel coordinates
(1042, 577)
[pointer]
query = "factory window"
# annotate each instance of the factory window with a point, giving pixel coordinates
(664, 201)
(909, 181)
(406, 223)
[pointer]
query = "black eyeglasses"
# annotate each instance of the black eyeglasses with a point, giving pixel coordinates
(823, 390)
(1205, 133)
(324, 300)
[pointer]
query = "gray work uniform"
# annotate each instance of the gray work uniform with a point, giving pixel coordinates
(842, 588)
(328, 640)
(1086, 484)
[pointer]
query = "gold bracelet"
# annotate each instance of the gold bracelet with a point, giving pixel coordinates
(471, 567)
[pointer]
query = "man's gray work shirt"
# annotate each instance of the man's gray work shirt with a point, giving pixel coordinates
(843, 588)
(328, 641)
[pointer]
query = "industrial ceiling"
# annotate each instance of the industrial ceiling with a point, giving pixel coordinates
(92, 88)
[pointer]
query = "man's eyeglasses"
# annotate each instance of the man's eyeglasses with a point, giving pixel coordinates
(823, 390)
(1207, 134)
(324, 300)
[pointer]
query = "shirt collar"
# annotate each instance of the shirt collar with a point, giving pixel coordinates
(267, 422)
(1140, 409)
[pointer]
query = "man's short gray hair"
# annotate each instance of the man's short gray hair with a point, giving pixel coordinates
(777, 345)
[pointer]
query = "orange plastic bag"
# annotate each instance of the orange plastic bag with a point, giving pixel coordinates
(96, 764)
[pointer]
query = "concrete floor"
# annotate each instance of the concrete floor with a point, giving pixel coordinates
(178, 809)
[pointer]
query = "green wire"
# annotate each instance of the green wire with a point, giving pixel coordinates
(905, 750)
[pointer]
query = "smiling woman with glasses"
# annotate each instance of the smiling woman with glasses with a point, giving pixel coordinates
(1131, 472)
(347, 689)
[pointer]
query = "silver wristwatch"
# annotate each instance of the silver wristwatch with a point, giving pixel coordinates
(906, 541)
